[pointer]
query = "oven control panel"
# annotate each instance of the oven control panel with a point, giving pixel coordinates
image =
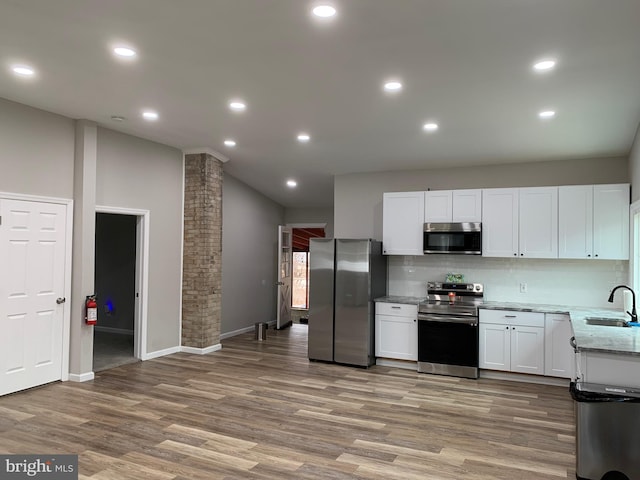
(439, 288)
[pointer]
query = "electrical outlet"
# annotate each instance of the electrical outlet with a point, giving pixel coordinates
(523, 288)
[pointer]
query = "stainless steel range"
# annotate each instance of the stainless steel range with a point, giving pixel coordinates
(448, 329)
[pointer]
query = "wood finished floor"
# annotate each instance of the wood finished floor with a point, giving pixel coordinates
(263, 411)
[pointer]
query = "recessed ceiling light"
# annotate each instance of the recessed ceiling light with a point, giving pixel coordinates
(547, 114)
(230, 143)
(304, 137)
(150, 115)
(292, 183)
(324, 11)
(237, 106)
(23, 70)
(125, 52)
(544, 65)
(393, 86)
(430, 127)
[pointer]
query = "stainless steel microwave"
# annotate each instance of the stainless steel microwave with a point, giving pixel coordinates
(453, 238)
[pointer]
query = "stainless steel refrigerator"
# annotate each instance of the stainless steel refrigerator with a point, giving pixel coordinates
(345, 276)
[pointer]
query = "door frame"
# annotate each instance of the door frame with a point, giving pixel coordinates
(142, 275)
(68, 246)
(634, 245)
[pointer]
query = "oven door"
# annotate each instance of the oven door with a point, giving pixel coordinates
(448, 340)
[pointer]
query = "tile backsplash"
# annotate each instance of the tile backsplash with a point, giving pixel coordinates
(559, 282)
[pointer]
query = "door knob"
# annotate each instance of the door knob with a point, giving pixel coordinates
(61, 300)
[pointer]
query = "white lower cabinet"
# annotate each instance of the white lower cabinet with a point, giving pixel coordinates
(512, 341)
(495, 346)
(397, 331)
(610, 369)
(527, 349)
(559, 357)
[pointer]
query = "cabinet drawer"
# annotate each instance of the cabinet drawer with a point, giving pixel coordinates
(397, 309)
(510, 317)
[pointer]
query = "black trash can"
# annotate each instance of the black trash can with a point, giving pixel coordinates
(607, 431)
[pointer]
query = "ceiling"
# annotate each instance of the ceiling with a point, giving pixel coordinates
(464, 64)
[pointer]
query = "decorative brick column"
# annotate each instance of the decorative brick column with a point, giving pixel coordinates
(202, 257)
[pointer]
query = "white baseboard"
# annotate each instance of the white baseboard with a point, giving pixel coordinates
(521, 377)
(272, 325)
(201, 351)
(121, 331)
(406, 364)
(83, 377)
(236, 332)
(160, 353)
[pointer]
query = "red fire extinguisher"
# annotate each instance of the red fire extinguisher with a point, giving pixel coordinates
(91, 310)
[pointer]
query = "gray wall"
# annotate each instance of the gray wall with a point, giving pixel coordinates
(36, 151)
(358, 197)
(311, 215)
(634, 167)
(115, 272)
(249, 255)
(136, 173)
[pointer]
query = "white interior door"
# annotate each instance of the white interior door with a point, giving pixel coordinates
(285, 260)
(32, 255)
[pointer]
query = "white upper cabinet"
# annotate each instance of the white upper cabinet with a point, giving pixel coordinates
(402, 223)
(594, 221)
(538, 226)
(520, 222)
(467, 206)
(611, 222)
(438, 206)
(575, 221)
(500, 222)
(453, 206)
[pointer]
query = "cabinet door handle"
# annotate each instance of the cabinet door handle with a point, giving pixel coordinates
(507, 327)
(510, 316)
(395, 308)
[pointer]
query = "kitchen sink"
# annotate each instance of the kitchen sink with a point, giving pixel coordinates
(607, 322)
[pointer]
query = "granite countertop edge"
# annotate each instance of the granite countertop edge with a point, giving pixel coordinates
(400, 299)
(588, 338)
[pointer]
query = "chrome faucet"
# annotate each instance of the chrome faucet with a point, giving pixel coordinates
(632, 313)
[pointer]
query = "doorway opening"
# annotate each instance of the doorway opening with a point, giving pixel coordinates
(120, 266)
(300, 280)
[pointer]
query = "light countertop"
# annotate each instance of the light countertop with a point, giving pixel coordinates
(400, 299)
(589, 338)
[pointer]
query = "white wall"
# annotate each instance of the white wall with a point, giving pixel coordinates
(36, 151)
(311, 215)
(136, 173)
(249, 255)
(358, 197)
(557, 282)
